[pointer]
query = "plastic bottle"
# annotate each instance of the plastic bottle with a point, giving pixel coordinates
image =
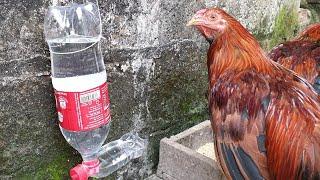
(112, 156)
(73, 33)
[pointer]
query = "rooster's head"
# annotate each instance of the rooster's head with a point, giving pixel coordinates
(210, 22)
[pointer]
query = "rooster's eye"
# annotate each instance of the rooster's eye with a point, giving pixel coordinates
(213, 17)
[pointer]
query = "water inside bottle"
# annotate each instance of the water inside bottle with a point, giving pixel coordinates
(75, 56)
(87, 143)
(78, 60)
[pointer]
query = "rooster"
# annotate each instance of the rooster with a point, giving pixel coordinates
(302, 55)
(265, 118)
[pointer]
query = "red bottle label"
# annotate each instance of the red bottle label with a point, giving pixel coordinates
(82, 111)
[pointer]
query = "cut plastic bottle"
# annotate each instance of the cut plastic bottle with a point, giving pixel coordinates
(112, 156)
(73, 33)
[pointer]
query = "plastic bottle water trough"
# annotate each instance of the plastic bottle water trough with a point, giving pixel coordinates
(73, 33)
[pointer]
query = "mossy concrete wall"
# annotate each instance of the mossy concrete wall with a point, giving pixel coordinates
(259, 15)
(156, 71)
(314, 7)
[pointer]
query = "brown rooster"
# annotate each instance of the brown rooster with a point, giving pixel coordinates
(265, 118)
(302, 55)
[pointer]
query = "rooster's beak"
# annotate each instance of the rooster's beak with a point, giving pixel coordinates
(197, 18)
(192, 22)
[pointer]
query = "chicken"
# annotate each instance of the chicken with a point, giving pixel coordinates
(265, 118)
(302, 55)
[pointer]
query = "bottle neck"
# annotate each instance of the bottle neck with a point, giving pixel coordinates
(89, 158)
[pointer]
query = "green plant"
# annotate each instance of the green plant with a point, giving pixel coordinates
(286, 26)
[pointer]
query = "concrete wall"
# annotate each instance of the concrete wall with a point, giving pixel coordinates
(156, 71)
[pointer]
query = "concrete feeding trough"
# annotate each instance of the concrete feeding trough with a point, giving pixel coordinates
(189, 155)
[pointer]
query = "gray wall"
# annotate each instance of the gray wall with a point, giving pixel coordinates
(156, 71)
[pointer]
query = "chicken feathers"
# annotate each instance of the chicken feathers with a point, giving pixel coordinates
(266, 119)
(302, 55)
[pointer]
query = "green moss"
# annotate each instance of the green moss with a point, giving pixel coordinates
(264, 39)
(286, 26)
(56, 169)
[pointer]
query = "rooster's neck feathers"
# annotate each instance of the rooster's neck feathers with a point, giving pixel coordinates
(236, 50)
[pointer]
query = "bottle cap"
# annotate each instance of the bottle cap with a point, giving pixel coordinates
(80, 172)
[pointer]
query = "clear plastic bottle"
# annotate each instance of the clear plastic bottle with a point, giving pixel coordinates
(73, 33)
(84, 71)
(112, 156)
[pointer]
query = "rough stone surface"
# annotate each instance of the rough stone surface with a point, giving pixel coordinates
(153, 177)
(160, 97)
(314, 7)
(313, 1)
(304, 17)
(258, 16)
(156, 70)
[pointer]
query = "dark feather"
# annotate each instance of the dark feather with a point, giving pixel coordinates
(301, 55)
(266, 119)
